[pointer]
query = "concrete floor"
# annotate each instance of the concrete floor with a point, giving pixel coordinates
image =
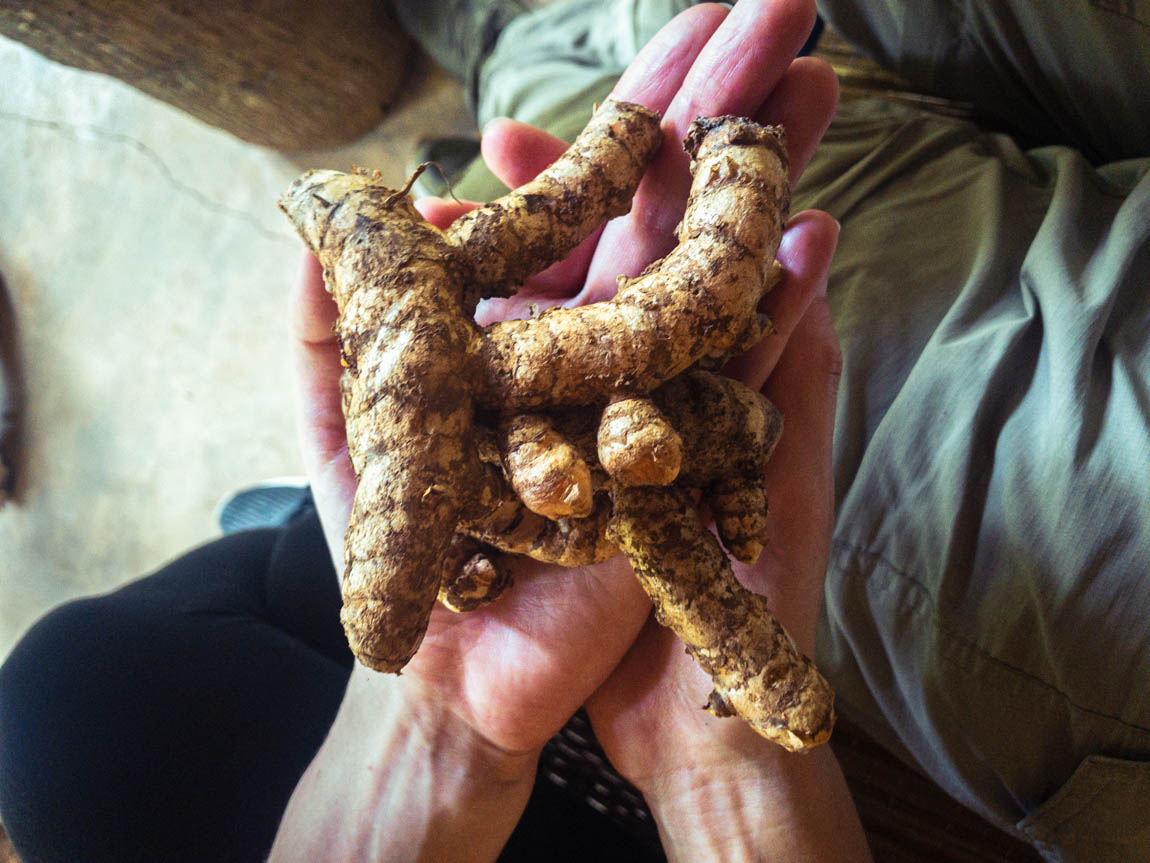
(147, 267)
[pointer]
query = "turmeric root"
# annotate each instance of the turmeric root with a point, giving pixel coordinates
(758, 672)
(471, 576)
(696, 301)
(602, 418)
(636, 444)
(406, 292)
(545, 469)
(722, 432)
(729, 432)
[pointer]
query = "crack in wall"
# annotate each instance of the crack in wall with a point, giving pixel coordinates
(74, 130)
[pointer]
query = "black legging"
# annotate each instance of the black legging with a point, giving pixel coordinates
(171, 719)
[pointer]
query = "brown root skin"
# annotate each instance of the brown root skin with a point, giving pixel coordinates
(545, 469)
(757, 671)
(729, 432)
(696, 302)
(567, 541)
(539, 223)
(636, 444)
(471, 575)
(739, 507)
(409, 347)
(417, 468)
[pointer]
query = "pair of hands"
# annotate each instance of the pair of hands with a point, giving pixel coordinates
(505, 678)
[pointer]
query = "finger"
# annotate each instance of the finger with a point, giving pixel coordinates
(311, 310)
(541, 291)
(315, 349)
(517, 152)
(551, 287)
(661, 66)
(804, 103)
(741, 63)
(319, 412)
(652, 79)
(441, 212)
(805, 252)
(799, 478)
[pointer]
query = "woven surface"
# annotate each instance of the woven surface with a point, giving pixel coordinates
(574, 761)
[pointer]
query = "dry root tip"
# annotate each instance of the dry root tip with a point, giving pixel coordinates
(739, 507)
(475, 582)
(637, 444)
(544, 468)
(403, 193)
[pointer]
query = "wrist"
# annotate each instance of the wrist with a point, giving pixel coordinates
(402, 777)
(778, 805)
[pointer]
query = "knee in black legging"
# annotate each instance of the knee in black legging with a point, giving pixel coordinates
(169, 720)
(58, 763)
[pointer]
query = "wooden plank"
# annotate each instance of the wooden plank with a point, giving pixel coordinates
(289, 74)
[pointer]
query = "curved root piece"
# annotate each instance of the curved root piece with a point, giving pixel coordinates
(567, 542)
(471, 577)
(636, 443)
(739, 507)
(758, 672)
(694, 303)
(409, 346)
(404, 341)
(728, 429)
(729, 432)
(539, 223)
(545, 469)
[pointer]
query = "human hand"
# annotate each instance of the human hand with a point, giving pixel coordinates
(516, 670)
(503, 679)
(802, 99)
(647, 715)
(718, 790)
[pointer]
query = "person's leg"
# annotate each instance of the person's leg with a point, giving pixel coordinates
(171, 719)
(551, 66)
(1049, 73)
(987, 610)
(458, 34)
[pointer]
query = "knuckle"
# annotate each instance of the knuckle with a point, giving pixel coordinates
(828, 354)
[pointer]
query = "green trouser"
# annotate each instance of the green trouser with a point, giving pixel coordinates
(987, 608)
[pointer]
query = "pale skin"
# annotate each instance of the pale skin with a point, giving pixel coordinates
(438, 764)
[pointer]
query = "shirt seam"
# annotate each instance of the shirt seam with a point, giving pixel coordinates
(950, 633)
